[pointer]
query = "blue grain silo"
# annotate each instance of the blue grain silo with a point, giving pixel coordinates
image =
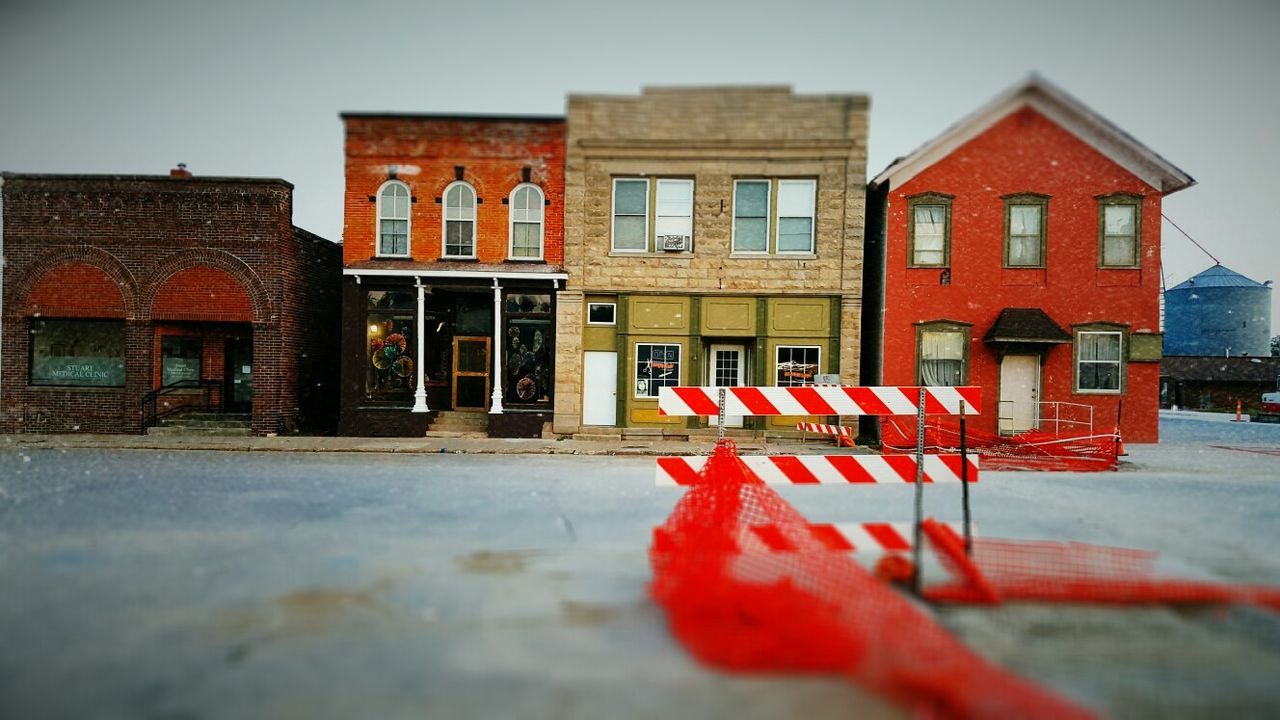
(1218, 312)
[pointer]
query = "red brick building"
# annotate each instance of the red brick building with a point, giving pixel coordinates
(1020, 251)
(168, 292)
(453, 250)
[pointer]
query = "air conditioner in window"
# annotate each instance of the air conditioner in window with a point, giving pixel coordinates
(674, 243)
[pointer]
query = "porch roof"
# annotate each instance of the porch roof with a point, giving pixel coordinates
(1025, 325)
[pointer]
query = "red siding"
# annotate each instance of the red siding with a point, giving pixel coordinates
(1026, 152)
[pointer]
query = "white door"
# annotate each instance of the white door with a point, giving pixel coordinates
(727, 368)
(600, 388)
(1019, 393)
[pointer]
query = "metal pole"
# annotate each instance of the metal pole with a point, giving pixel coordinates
(964, 484)
(419, 364)
(917, 550)
(720, 418)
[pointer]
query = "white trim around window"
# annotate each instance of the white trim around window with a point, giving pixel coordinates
(796, 365)
(673, 211)
(629, 216)
(392, 223)
(605, 308)
(750, 222)
(459, 208)
(657, 365)
(797, 206)
(526, 217)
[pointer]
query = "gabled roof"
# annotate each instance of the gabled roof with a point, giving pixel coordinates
(1217, 276)
(1069, 113)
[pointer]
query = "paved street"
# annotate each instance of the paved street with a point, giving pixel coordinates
(195, 584)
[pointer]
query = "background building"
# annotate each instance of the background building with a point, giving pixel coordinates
(713, 236)
(1218, 312)
(1020, 251)
(177, 291)
(452, 254)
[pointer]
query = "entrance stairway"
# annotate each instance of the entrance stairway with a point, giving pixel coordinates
(454, 424)
(203, 423)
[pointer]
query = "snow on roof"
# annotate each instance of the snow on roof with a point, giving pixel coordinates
(1061, 108)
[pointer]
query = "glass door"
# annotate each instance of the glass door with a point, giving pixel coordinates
(470, 373)
(727, 369)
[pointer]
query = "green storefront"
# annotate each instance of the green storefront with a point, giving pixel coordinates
(634, 344)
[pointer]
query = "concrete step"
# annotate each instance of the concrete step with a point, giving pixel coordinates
(202, 415)
(198, 431)
(455, 434)
(199, 423)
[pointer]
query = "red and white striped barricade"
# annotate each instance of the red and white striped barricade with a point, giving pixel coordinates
(865, 539)
(823, 469)
(843, 435)
(836, 400)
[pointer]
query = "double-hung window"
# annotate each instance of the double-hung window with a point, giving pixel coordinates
(1025, 218)
(1099, 360)
(941, 351)
(393, 219)
(774, 216)
(649, 223)
(460, 221)
(525, 207)
(929, 230)
(1119, 241)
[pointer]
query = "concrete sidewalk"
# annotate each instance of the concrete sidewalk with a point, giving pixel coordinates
(488, 446)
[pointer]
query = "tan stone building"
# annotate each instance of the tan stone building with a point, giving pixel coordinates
(713, 236)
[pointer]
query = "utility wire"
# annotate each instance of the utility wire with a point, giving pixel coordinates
(1193, 240)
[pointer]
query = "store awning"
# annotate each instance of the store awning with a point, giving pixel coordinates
(1025, 325)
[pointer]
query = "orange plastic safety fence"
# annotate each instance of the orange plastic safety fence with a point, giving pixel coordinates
(1031, 450)
(1022, 570)
(737, 605)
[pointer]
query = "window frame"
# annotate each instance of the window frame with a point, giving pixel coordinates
(1122, 363)
(101, 322)
(965, 330)
(768, 215)
(777, 352)
(408, 220)
(776, 225)
(511, 223)
(1113, 200)
(929, 199)
(445, 220)
(611, 323)
(657, 205)
(1027, 199)
(635, 375)
(613, 216)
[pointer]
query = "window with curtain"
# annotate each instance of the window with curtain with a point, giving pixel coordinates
(1024, 237)
(460, 221)
(631, 215)
(941, 354)
(1099, 360)
(929, 230)
(1119, 231)
(393, 219)
(526, 205)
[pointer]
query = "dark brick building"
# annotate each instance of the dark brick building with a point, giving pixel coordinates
(116, 287)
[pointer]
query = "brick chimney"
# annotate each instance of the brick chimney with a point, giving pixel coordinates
(180, 172)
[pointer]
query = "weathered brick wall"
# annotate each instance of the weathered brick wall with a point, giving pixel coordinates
(311, 306)
(181, 245)
(713, 135)
(424, 152)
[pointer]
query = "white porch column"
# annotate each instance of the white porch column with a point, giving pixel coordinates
(419, 372)
(496, 408)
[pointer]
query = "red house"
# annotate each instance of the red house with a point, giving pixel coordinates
(1020, 251)
(453, 251)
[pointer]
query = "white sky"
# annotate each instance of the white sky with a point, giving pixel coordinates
(254, 87)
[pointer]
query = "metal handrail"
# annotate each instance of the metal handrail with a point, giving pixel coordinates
(1057, 419)
(150, 403)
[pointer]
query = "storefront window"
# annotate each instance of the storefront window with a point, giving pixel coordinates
(77, 353)
(389, 328)
(529, 349)
(657, 366)
(180, 360)
(797, 364)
